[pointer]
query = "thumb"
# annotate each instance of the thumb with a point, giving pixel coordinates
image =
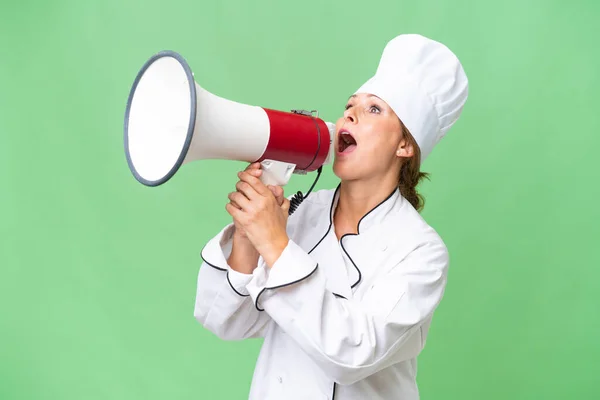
(285, 206)
(277, 192)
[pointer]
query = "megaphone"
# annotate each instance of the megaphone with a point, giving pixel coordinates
(170, 121)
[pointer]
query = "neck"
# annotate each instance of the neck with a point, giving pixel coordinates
(359, 197)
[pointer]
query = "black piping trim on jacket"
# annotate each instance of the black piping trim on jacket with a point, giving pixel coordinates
(349, 234)
(327, 232)
(211, 264)
(333, 395)
(284, 285)
(330, 220)
(358, 233)
(238, 293)
(224, 270)
(351, 260)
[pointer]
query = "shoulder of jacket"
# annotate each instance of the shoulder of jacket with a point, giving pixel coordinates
(415, 227)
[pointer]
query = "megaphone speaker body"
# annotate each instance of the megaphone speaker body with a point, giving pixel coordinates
(171, 121)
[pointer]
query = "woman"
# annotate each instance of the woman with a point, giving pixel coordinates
(343, 291)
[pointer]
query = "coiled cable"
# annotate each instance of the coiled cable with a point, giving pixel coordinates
(298, 198)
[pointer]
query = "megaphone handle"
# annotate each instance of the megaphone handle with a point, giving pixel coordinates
(276, 173)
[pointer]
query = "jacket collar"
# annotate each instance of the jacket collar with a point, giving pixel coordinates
(376, 215)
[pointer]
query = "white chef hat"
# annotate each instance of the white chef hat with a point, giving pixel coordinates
(424, 83)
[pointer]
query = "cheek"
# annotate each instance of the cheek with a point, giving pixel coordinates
(372, 134)
(388, 136)
(380, 144)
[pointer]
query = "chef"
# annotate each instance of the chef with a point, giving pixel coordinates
(343, 291)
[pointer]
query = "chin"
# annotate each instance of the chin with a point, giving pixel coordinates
(345, 171)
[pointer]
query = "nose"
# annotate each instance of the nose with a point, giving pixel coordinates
(349, 115)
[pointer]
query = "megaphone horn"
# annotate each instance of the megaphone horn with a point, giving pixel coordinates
(170, 121)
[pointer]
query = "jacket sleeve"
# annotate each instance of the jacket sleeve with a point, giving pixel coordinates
(222, 304)
(352, 339)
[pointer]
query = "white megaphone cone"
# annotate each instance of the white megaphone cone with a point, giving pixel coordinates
(170, 121)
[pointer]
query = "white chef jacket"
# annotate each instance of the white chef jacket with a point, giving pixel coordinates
(341, 320)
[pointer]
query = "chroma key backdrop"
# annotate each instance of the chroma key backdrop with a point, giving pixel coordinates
(98, 272)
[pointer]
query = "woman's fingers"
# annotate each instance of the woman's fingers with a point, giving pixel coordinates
(246, 189)
(238, 200)
(254, 182)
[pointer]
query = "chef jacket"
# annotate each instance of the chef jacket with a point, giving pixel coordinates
(341, 319)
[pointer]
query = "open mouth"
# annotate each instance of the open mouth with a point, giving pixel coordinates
(346, 142)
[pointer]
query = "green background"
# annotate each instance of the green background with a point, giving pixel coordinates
(98, 272)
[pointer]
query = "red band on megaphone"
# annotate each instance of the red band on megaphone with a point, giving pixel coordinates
(298, 139)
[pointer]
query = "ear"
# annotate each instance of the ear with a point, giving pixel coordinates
(405, 149)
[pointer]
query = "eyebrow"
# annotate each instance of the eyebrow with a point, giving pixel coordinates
(369, 95)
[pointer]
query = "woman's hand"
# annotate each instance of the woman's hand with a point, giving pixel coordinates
(254, 169)
(261, 212)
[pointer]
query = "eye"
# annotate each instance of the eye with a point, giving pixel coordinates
(347, 106)
(377, 110)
